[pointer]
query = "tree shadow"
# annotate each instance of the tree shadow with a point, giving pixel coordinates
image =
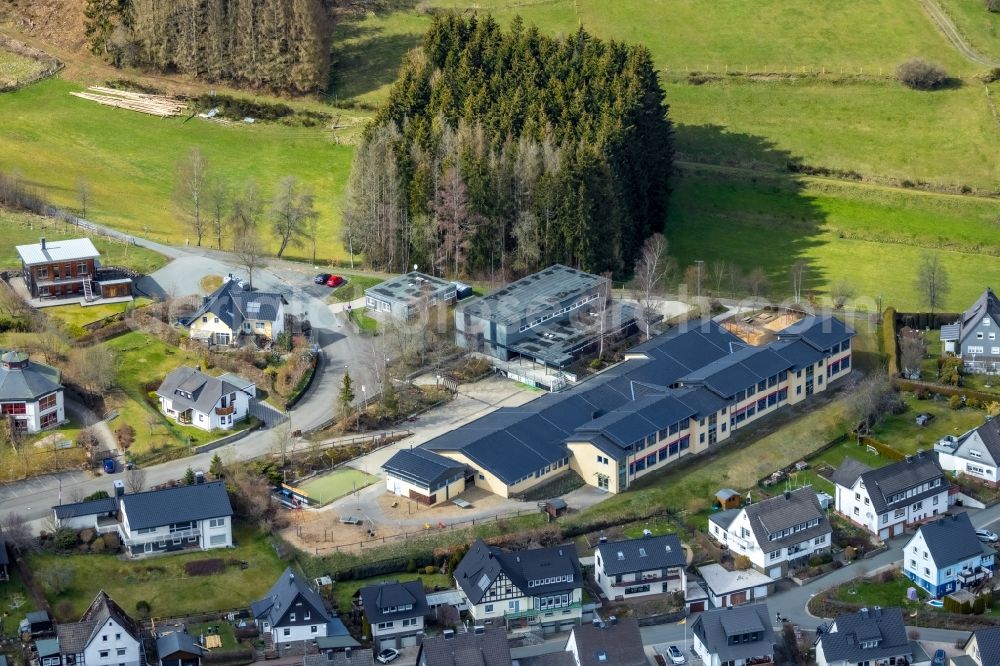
(737, 199)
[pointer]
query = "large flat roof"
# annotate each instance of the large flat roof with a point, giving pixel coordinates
(408, 288)
(47, 252)
(534, 293)
(557, 340)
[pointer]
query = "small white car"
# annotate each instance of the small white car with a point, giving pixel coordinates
(675, 655)
(987, 536)
(387, 656)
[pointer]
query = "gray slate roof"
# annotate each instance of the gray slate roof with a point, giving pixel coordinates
(951, 332)
(205, 391)
(989, 433)
(952, 539)
(848, 472)
(376, 598)
(28, 383)
(410, 287)
(713, 627)
(57, 251)
(47, 647)
(631, 555)
(820, 332)
(782, 512)
(986, 304)
(884, 482)
(489, 648)
(423, 467)
(357, 657)
(988, 641)
(619, 643)
(177, 641)
(884, 625)
(154, 508)
(285, 592)
(231, 304)
(483, 564)
(92, 508)
(75, 636)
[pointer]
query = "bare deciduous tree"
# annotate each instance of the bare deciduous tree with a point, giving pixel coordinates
(757, 284)
(841, 292)
(293, 208)
(15, 531)
(871, 400)
(911, 354)
(56, 579)
(217, 197)
(652, 270)
(798, 275)
(135, 480)
(245, 211)
(189, 190)
(83, 193)
(718, 270)
(932, 281)
(249, 253)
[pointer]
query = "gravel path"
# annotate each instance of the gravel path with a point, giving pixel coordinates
(951, 32)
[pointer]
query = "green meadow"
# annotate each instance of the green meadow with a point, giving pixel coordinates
(979, 27)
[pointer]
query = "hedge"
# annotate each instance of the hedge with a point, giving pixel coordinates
(303, 384)
(981, 396)
(883, 449)
(889, 340)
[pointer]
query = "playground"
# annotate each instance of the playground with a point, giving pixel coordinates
(323, 489)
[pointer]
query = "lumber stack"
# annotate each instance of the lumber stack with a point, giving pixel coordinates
(157, 105)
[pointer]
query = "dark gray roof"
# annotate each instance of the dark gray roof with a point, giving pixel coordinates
(154, 508)
(848, 631)
(821, 332)
(619, 643)
(739, 370)
(798, 353)
(725, 518)
(376, 598)
(989, 433)
(29, 382)
(952, 539)
(204, 391)
(711, 629)
(92, 508)
(988, 641)
(177, 641)
(337, 636)
(357, 657)
(848, 472)
(548, 659)
(631, 555)
(884, 482)
(288, 590)
(782, 512)
(986, 304)
(47, 647)
(423, 467)
(483, 564)
(489, 648)
(533, 294)
(950, 332)
(75, 636)
(232, 305)
(410, 287)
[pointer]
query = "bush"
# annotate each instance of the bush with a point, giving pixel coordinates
(99, 495)
(205, 567)
(429, 569)
(955, 402)
(411, 566)
(889, 340)
(142, 607)
(919, 74)
(992, 6)
(887, 576)
(741, 562)
(64, 538)
(993, 74)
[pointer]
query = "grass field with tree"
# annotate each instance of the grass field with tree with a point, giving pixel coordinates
(15, 67)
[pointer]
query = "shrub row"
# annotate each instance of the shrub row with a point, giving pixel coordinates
(303, 384)
(981, 396)
(883, 449)
(889, 340)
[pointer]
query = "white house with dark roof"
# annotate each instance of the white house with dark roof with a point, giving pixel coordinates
(614, 641)
(198, 516)
(946, 555)
(31, 396)
(982, 648)
(230, 313)
(292, 611)
(975, 337)
(537, 586)
(395, 613)
(100, 515)
(104, 636)
(975, 453)
(640, 567)
(734, 588)
(483, 646)
(191, 397)
(869, 636)
(738, 636)
(885, 500)
(777, 533)
(424, 476)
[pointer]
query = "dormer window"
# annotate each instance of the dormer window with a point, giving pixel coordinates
(869, 644)
(975, 454)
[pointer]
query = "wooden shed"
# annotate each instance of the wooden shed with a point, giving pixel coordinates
(728, 498)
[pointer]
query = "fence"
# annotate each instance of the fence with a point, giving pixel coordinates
(228, 439)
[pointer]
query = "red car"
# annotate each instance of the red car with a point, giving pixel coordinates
(334, 281)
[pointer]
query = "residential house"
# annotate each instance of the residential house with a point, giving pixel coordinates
(348, 657)
(292, 611)
(178, 648)
(946, 555)
(537, 586)
(735, 588)
(230, 312)
(975, 453)
(640, 567)
(100, 514)
(776, 534)
(404, 296)
(104, 636)
(4, 560)
(736, 636)
(675, 395)
(190, 397)
(48, 652)
(611, 642)
(982, 648)
(31, 397)
(873, 636)
(395, 613)
(886, 500)
(70, 269)
(424, 476)
(973, 338)
(483, 646)
(180, 518)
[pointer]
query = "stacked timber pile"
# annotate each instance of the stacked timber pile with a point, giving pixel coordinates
(157, 105)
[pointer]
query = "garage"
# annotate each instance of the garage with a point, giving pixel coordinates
(775, 572)
(409, 641)
(696, 607)
(386, 643)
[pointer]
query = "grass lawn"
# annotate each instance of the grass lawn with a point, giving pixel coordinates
(365, 323)
(328, 487)
(354, 288)
(74, 317)
(221, 628)
(129, 159)
(163, 582)
(344, 591)
(979, 27)
(848, 449)
(15, 603)
(901, 432)
(15, 67)
(871, 592)
(23, 228)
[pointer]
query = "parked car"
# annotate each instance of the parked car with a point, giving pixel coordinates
(109, 465)
(321, 278)
(387, 656)
(675, 655)
(334, 281)
(923, 418)
(939, 658)
(987, 536)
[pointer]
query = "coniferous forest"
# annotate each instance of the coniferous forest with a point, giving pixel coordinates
(501, 152)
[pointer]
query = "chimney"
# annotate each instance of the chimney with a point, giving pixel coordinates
(291, 576)
(448, 634)
(864, 613)
(788, 495)
(603, 539)
(878, 612)
(199, 477)
(43, 242)
(347, 653)
(119, 488)
(612, 620)
(479, 629)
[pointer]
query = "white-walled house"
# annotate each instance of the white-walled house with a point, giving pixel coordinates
(776, 533)
(869, 636)
(946, 555)
(975, 453)
(537, 586)
(30, 393)
(975, 337)
(640, 567)
(292, 611)
(885, 500)
(734, 588)
(395, 613)
(104, 636)
(424, 476)
(191, 397)
(736, 636)
(198, 516)
(230, 313)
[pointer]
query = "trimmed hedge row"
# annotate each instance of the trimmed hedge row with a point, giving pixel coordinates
(908, 385)
(883, 449)
(889, 340)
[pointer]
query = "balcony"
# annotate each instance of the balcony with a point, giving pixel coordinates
(533, 613)
(142, 539)
(672, 575)
(971, 577)
(753, 661)
(225, 411)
